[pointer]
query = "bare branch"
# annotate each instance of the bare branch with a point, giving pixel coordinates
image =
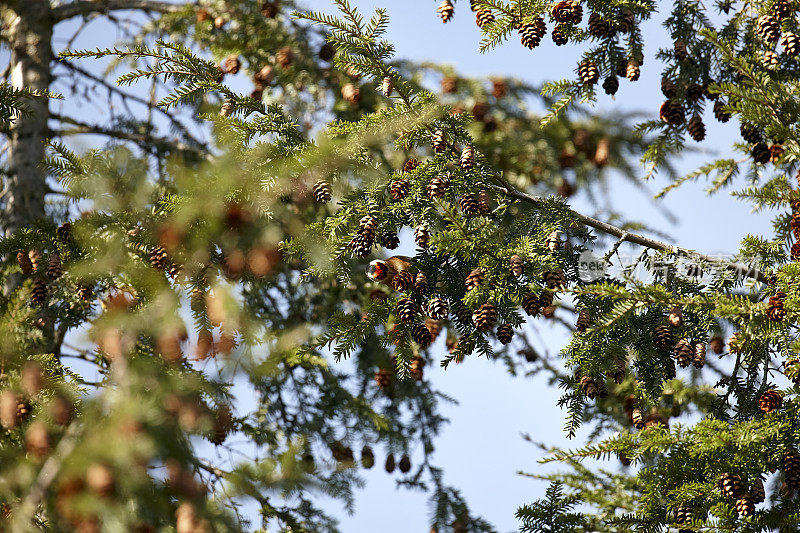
(635, 238)
(88, 7)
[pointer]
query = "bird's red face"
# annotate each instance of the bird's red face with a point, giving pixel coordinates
(377, 270)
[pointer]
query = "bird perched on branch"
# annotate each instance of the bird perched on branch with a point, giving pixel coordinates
(384, 270)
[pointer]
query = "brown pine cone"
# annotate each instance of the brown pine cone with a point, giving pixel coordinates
(770, 401)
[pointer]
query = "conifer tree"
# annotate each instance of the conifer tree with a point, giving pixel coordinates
(155, 279)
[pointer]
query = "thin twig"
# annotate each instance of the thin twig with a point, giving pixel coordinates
(635, 238)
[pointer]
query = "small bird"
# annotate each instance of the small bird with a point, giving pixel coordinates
(384, 270)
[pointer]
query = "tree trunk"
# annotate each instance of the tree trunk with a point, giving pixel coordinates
(30, 32)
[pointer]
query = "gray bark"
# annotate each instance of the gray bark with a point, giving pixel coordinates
(30, 32)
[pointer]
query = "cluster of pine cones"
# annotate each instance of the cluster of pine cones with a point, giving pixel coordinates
(344, 455)
(566, 14)
(30, 264)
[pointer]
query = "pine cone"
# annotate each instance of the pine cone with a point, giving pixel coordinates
(505, 333)
(791, 44)
(39, 292)
(351, 93)
(598, 27)
(768, 28)
(684, 354)
(464, 316)
(545, 299)
(387, 86)
(284, 57)
(402, 281)
(662, 336)
(696, 128)
(530, 303)
(632, 70)
(399, 189)
(410, 165)
(35, 256)
(25, 263)
(681, 52)
(231, 64)
(422, 335)
(322, 192)
(770, 401)
(475, 279)
(417, 366)
(85, 292)
(361, 244)
(516, 265)
(683, 515)
(611, 85)
(672, 113)
(438, 186)
(730, 485)
(485, 317)
(719, 111)
(265, 76)
(791, 468)
(589, 387)
(637, 418)
(367, 457)
(695, 92)
(449, 84)
(483, 17)
(383, 379)
(438, 309)
(668, 88)
(776, 152)
(699, 359)
(480, 110)
(389, 464)
(445, 11)
(54, 270)
(468, 157)
(64, 231)
(626, 21)
(405, 464)
(421, 283)
(757, 491)
(584, 321)
(750, 133)
(588, 72)
(406, 309)
(389, 240)
(554, 279)
(717, 345)
(675, 317)
(269, 9)
(223, 423)
(326, 52)
(531, 33)
(469, 205)
(782, 8)
(775, 309)
(422, 236)
(439, 141)
(158, 258)
(761, 153)
(620, 369)
(745, 505)
(559, 35)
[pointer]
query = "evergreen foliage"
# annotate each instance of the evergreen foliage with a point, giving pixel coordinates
(172, 277)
